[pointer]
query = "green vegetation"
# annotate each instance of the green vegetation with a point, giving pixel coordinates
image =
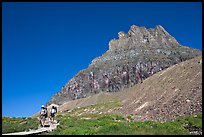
(99, 108)
(89, 121)
(194, 120)
(10, 125)
(116, 124)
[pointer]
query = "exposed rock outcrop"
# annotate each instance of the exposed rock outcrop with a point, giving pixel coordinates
(131, 58)
(167, 95)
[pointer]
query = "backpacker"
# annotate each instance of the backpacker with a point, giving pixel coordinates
(44, 112)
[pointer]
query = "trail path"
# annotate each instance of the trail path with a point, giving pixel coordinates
(48, 127)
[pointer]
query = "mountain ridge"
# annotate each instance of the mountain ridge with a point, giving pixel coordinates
(130, 59)
(170, 93)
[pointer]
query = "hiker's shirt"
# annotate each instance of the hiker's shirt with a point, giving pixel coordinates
(52, 111)
(43, 112)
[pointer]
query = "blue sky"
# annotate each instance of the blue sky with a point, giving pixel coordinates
(46, 44)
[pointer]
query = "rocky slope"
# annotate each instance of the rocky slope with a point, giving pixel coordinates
(133, 57)
(173, 92)
(170, 93)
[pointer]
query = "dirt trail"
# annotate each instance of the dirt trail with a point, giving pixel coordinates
(49, 127)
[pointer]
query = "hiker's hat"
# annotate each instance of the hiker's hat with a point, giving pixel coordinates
(42, 106)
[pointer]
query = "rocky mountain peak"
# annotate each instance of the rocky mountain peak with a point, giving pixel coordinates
(133, 57)
(139, 36)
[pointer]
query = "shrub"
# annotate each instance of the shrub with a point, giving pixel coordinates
(10, 125)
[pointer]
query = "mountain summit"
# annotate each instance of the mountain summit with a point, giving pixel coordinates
(131, 58)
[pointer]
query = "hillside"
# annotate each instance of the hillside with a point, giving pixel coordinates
(133, 57)
(167, 103)
(170, 93)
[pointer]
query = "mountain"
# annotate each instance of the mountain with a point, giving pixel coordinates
(132, 58)
(175, 91)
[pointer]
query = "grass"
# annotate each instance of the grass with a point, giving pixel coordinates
(97, 108)
(10, 125)
(115, 124)
(194, 120)
(84, 121)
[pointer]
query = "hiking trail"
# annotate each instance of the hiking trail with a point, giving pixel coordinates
(47, 128)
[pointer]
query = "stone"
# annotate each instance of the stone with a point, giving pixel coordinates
(130, 59)
(23, 123)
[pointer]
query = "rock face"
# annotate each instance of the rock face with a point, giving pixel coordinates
(131, 58)
(173, 92)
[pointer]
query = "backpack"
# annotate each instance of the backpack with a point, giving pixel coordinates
(45, 112)
(55, 109)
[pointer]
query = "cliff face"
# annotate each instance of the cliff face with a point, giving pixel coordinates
(131, 58)
(170, 93)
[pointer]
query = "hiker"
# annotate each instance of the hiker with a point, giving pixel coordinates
(43, 115)
(53, 111)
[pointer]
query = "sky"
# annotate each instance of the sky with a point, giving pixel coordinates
(46, 44)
